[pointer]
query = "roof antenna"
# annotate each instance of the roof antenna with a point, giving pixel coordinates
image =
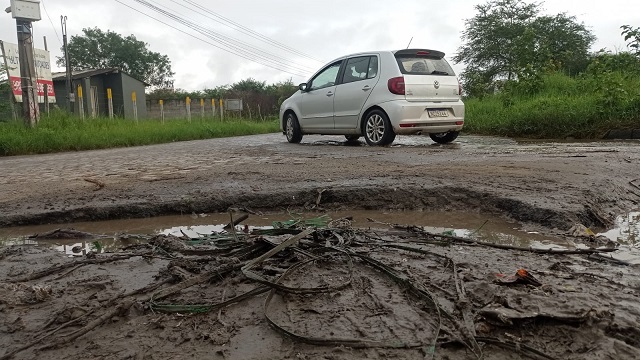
(409, 44)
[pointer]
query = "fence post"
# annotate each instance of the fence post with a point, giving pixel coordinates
(110, 102)
(189, 109)
(221, 110)
(46, 98)
(213, 107)
(162, 111)
(80, 101)
(135, 105)
(202, 108)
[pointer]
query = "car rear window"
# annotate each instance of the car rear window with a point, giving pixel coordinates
(421, 65)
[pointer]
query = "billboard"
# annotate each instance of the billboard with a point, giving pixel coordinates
(42, 60)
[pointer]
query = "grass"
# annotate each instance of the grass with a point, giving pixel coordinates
(61, 132)
(562, 107)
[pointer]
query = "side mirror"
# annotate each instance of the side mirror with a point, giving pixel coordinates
(303, 87)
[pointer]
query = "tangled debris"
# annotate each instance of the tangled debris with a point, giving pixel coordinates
(332, 285)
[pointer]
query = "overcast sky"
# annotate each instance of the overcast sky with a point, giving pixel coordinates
(320, 30)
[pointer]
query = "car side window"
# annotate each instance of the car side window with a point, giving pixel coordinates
(326, 77)
(373, 68)
(356, 69)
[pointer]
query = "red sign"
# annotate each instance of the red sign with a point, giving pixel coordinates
(17, 86)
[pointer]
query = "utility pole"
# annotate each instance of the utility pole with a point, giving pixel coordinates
(46, 86)
(70, 95)
(25, 12)
(30, 106)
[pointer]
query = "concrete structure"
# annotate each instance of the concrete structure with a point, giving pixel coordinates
(95, 83)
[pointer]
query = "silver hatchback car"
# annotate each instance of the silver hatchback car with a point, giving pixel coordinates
(378, 95)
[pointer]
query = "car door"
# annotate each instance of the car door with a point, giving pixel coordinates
(359, 77)
(316, 102)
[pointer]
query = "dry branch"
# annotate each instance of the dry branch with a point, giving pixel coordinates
(57, 268)
(119, 310)
(98, 183)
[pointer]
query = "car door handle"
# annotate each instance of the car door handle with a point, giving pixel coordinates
(329, 93)
(366, 88)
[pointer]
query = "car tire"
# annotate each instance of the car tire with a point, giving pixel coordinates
(292, 128)
(444, 138)
(377, 129)
(352, 138)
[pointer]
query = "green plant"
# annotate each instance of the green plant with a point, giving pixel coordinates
(62, 132)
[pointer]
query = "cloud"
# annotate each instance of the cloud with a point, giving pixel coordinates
(323, 29)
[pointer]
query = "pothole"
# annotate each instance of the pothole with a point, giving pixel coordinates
(489, 228)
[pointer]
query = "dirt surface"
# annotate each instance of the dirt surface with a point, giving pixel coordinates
(447, 302)
(551, 184)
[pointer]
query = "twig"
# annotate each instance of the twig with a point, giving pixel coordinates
(224, 292)
(235, 222)
(195, 280)
(100, 184)
(610, 259)
(57, 268)
(480, 228)
(467, 317)
(118, 310)
(508, 247)
(319, 198)
(69, 272)
(233, 227)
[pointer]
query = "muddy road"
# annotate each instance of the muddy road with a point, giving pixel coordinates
(343, 292)
(549, 184)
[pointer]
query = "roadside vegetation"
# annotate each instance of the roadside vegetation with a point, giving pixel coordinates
(556, 105)
(61, 132)
(526, 74)
(532, 75)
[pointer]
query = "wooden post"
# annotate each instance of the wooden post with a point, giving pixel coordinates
(134, 98)
(202, 108)
(80, 101)
(162, 111)
(28, 73)
(46, 86)
(70, 97)
(213, 107)
(46, 97)
(189, 109)
(221, 110)
(12, 104)
(110, 102)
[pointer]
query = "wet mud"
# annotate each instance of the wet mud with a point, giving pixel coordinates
(341, 293)
(585, 307)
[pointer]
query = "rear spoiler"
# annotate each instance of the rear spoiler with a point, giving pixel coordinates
(419, 53)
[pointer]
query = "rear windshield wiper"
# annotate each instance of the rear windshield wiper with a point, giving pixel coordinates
(438, 72)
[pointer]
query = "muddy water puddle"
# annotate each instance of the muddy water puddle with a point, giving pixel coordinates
(488, 228)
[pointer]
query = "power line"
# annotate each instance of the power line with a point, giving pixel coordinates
(228, 41)
(207, 42)
(54, 28)
(254, 34)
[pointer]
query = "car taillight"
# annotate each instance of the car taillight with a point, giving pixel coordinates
(396, 85)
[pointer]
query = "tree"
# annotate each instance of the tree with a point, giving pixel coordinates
(507, 38)
(99, 49)
(632, 35)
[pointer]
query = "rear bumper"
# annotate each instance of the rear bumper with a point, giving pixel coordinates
(413, 117)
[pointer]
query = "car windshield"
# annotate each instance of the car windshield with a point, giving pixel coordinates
(424, 66)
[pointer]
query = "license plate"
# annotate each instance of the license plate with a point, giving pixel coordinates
(438, 112)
